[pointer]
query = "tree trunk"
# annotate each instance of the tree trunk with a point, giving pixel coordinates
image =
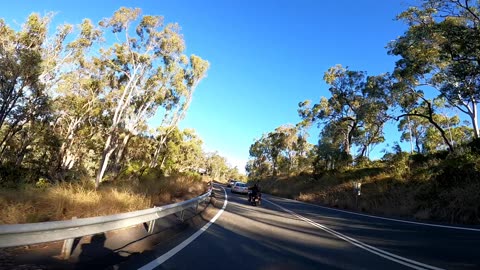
(12, 131)
(274, 163)
(347, 144)
(25, 142)
(158, 150)
(21, 155)
(120, 153)
(67, 158)
(474, 118)
(429, 117)
(410, 133)
(438, 127)
(107, 152)
(349, 137)
(364, 150)
(444, 135)
(163, 161)
(417, 145)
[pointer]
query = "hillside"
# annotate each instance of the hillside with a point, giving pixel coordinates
(438, 187)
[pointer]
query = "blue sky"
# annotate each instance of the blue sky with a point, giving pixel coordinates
(265, 55)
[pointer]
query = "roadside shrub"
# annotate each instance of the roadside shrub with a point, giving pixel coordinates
(42, 183)
(194, 176)
(12, 176)
(419, 158)
(455, 172)
(474, 146)
(398, 163)
(362, 162)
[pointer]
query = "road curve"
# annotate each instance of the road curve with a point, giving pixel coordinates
(286, 234)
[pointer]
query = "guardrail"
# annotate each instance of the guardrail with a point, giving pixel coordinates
(42, 232)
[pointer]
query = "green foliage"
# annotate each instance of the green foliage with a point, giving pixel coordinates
(354, 114)
(284, 150)
(193, 176)
(43, 183)
(12, 177)
(438, 57)
(398, 163)
(439, 49)
(151, 174)
(475, 146)
(457, 172)
(75, 100)
(217, 167)
(362, 162)
(132, 169)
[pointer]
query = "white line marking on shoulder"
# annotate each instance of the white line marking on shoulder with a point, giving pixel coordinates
(158, 261)
(385, 218)
(384, 254)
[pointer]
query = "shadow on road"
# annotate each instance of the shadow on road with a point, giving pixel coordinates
(95, 255)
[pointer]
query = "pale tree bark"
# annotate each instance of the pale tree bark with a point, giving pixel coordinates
(120, 153)
(410, 133)
(474, 117)
(67, 158)
(170, 121)
(158, 149)
(122, 104)
(430, 119)
(469, 108)
(148, 70)
(107, 152)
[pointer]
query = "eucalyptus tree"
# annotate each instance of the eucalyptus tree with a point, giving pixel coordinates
(413, 130)
(261, 153)
(22, 94)
(174, 112)
(146, 70)
(288, 141)
(329, 151)
(217, 166)
(284, 150)
(183, 152)
(413, 103)
(77, 97)
(441, 50)
(457, 134)
(358, 106)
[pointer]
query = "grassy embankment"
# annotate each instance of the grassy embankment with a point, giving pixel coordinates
(437, 187)
(43, 202)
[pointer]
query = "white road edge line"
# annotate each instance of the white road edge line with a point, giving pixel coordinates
(384, 218)
(158, 261)
(384, 254)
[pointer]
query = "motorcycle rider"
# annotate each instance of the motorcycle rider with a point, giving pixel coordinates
(255, 190)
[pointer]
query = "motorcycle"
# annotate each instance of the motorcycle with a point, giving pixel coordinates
(255, 199)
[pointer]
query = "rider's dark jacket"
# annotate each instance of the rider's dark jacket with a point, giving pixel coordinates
(254, 190)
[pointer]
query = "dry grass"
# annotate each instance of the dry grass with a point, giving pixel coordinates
(384, 193)
(64, 201)
(381, 193)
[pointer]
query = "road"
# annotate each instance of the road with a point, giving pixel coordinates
(286, 234)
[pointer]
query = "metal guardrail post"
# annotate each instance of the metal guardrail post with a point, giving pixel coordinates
(182, 214)
(151, 226)
(196, 207)
(67, 247)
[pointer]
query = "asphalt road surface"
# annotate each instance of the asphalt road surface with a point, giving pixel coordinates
(286, 234)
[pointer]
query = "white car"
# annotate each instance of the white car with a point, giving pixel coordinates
(239, 187)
